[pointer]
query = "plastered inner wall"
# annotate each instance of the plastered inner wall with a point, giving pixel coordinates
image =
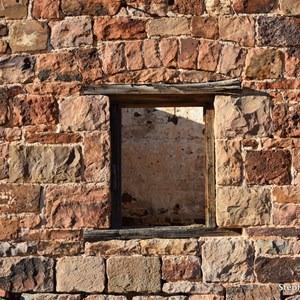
(163, 166)
(55, 147)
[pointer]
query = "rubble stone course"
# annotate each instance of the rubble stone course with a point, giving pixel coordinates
(56, 148)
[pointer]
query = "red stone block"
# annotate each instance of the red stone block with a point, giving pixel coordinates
(268, 167)
(106, 28)
(46, 9)
(188, 50)
(253, 6)
(205, 27)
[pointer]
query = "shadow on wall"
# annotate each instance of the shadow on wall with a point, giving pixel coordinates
(162, 166)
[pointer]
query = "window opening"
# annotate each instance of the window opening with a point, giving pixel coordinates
(162, 166)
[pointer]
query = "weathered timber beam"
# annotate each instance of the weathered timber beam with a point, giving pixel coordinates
(231, 86)
(169, 232)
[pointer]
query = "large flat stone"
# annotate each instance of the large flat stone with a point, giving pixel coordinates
(71, 32)
(290, 7)
(268, 167)
(193, 287)
(27, 274)
(90, 7)
(27, 36)
(239, 117)
(80, 274)
(19, 198)
(50, 297)
(278, 31)
(253, 292)
(267, 269)
(254, 6)
(168, 26)
(38, 163)
(84, 113)
(286, 214)
(77, 206)
(13, 9)
(241, 206)
(227, 260)
(16, 69)
(181, 268)
(133, 274)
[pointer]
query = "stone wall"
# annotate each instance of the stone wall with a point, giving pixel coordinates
(55, 147)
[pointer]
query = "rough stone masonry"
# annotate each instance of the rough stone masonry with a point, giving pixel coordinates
(55, 147)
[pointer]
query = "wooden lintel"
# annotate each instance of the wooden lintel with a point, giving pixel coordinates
(167, 232)
(231, 86)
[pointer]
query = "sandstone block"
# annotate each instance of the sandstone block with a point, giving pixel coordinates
(50, 297)
(151, 54)
(286, 194)
(237, 29)
(290, 7)
(133, 274)
(113, 57)
(286, 214)
(105, 297)
(276, 247)
(169, 52)
(254, 6)
(58, 67)
(253, 291)
(77, 206)
(267, 268)
(268, 167)
(59, 248)
(97, 157)
(53, 138)
(284, 116)
(45, 9)
(186, 7)
(114, 247)
(208, 57)
(187, 56)
(29, 35)
(292, 62)
(8, 249)
(9, 228)
(59, 89)
(169, 247)
(278, 31)
(71, 32)
(106, 28)
(89, 64)
(16, 69)
(13, 9)
(168, 26)
(176, 268)
(90, 7)
(45, 163)
(33, 109)
(80, 274)
(240, 206)
(227, 260)
(218, 7)
(232, 60)
(133, 54)
(206, 297)
(19, 198)
(229, 162)
(271, 231)
(205, 27)
(26, 274)
(193, 287)
(80, 113)
(264, 64)
(230, 121)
